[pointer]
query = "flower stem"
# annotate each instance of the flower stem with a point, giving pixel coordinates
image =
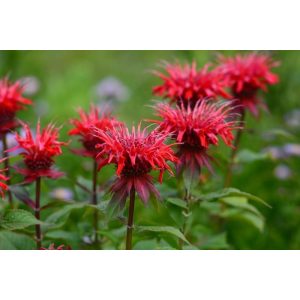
(38, 234)
(236, 144)
(185, 212)
(6, 167)
(130, 220)
(95, 202)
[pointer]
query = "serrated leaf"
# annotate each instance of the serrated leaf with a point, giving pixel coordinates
(18, 219)
(10, 240)
(164, 229)
(177, 201)
(247, 156)
(227, 192)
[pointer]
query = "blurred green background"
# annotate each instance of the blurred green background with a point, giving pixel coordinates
(66, 80)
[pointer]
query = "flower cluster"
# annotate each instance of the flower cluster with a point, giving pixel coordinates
(195, 130)
(38, 152)
(11, 101)
(85, 126)
(246, 75)
(135, 155)
(187, 85)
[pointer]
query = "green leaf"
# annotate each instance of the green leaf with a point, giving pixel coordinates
(228, 192)
(152, 244)
(253, 219)
(17, 219)
(59, 217)
(15, 241)
(164, 229)
(215, 242)
(62, 235)
(241, 202)
(177, 201)
(247, 156)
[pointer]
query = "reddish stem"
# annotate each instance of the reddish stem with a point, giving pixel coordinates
(38, 234)
(130, 220)
(95, 202)
(6, 167)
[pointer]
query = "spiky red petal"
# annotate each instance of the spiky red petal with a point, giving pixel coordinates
(135, 155)
(196, 129)
(39, 151)
(11, 101)
(246, 75)
(187, 85)
(85, 125)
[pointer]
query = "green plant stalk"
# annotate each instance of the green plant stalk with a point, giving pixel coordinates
(130, 220)
(185, 212)
(236, 144)
(38, 234)
(7, 168)
(94, 201)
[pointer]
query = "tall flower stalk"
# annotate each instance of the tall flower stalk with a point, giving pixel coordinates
(38, 151)
(195, 130)
(246, 76)
(84, 127)
(3, 181)
(135, 155)
(11, 101)
(6, 167)
(38, 234)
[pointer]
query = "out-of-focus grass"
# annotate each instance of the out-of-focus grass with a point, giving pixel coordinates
(68, 79)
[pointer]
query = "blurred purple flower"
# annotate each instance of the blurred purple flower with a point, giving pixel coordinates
(31, 84)
(275, 152)
(292, 149)
(112, 91)
(282, 172)
(292, 118)
(63, 194)
(11, 142)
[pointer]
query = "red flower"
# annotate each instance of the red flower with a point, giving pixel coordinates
(195, 130)
(135, 154)
(38, 152)
(52, 247)
(184, 84)
(85, 126)
(246, 75)
(11, 101)
(3, 178)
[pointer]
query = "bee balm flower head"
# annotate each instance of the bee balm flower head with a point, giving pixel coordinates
(195, 130)
(246, 75)
(187, 85)
(11, 101)
(135, 155)
(85, 126)
(38, 152)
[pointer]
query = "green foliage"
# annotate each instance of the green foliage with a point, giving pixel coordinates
(214, 218)
(15, 241)
(17, 219)
(164, 229)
